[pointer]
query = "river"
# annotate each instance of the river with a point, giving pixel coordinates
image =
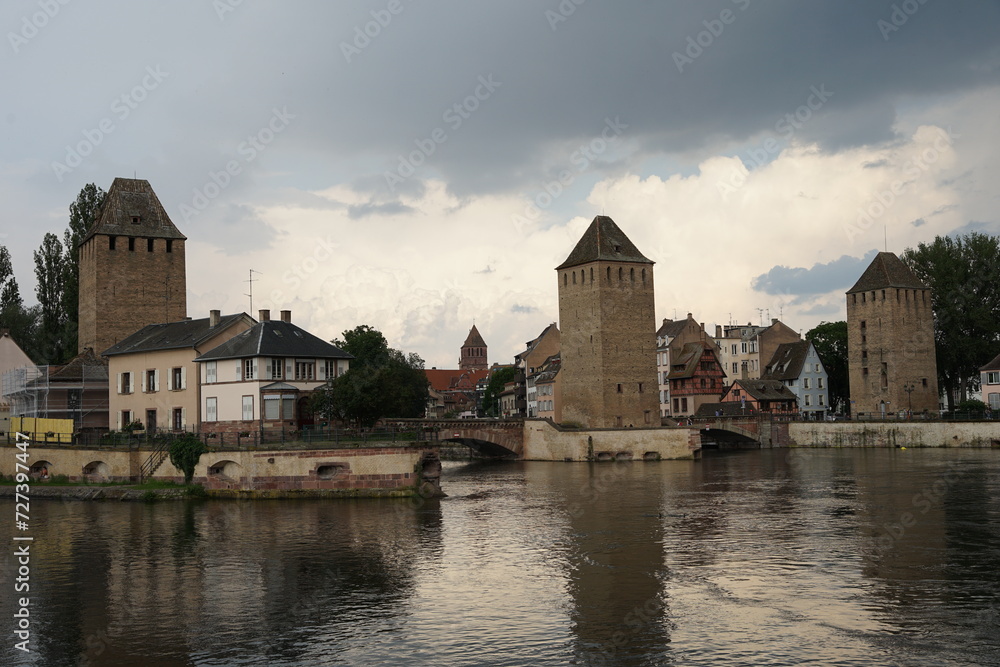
(764, 557)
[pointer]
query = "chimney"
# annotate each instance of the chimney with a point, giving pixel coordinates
(265, 315)
(774, 320)
(718, 331)
(286, 316)
(213, 318)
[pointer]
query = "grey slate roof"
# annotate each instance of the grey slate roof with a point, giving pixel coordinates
(992, 366)
(788, 360)
(172, 335)
(603, 240)
(275, 338)
(886, 270)
(766, 390)
(670, 328)
(128, 198)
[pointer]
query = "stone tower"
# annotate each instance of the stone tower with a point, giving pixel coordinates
(890, 340)
(606, 314)
(132, 269)
(473, 354)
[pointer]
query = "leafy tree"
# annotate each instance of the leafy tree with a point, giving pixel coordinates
(494, 387)
(964, 274)
(381, 382)
(50, 278)
(82, 215)
(185, 452)
(830, 341)
(14, 317)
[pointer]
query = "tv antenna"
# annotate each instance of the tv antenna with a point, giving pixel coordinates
(250, 293)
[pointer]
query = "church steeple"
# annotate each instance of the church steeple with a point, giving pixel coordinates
(473, 354)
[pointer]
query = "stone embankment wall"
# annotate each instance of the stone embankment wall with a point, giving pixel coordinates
(895, 434)
(545, 442)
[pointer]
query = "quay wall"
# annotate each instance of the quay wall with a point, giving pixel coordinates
(895, 434)
(545, 442)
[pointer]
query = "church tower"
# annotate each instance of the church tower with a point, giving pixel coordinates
(890, 340)
(132, 270)
(606, 314)
(473, 354)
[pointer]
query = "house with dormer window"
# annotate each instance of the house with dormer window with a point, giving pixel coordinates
(262, 379)
(798, 366)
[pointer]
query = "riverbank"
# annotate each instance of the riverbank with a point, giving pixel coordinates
(89, 492)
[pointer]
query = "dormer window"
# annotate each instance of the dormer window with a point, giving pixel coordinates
(136, 219)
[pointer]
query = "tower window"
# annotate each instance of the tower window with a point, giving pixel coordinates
(574, 277)
(170, 245)
(149, 245)
(621, 274)
(631, 275)
(619, 388)
(609, 275)
(131, 243)
(644, 276)
(136, 219)
(565, 280)
(111, 243)
(591, 274)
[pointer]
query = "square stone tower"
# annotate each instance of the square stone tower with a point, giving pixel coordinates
(132, 270)
(608, 323)
(890, 340)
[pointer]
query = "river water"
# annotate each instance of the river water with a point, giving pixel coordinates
(770, 557)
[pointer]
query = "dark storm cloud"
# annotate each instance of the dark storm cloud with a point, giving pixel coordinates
(820, 279)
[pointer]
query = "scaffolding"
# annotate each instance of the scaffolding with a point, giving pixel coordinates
(77, 390)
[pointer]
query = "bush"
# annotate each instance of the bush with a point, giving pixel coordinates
(185, 452)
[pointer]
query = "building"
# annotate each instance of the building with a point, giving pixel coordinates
(890, 341)
(606, 314)
(744, 350)
(529, 363)
(671, 337)
(155, 375)
(12, 357)
(473, 355)
(990, 376)
(454, 393)
(132, 270)
(549, 390)
(77, 391)
(759, 396)
(696, 377)
(798, 366)
(262, 379)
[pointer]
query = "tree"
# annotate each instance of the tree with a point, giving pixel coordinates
(185, 452)
(381, 382)
(14, 317)
(830, 341)
(494, 387)
(50, 278)
(964, 274)
(82, 215)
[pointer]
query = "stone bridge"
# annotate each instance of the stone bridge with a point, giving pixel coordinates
(489, 437)
(741, 432)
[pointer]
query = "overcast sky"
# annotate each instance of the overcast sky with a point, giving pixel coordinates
(420, 166)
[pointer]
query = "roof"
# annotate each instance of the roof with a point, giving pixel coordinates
(454, 379)
(887, 270)
(765, 390)
(84, 366)
(603, 240)
(788, 360)
(993, 365)
(172, 335)
(532, 344)
(727, 409)
(671, 328)
(690, 355)
(275, 338)
(474, 339)
(128, 199)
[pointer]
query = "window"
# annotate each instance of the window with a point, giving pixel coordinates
(135, 219)
(684, 405)
(111, 243)
(885, 375)
(819, 383)
(211, 409)
(131, 243)
(249, 366)
(864, 323)
(247, 408)
(276, 366)
(177, 379)
(170, 245)
(125, 418)
(819, 368)
(743, 348)
(178, 421)
(822, 399)
(735, 368)
(211, 372)
(992, 377)
(152, 381)
(994, 401)
(124, 383)
(305, 370)
(619, 388)
(808, 399)
(805, 383)
(923, 381)
(149, 245)
(640, 387)
(734, 348)
(279, 407)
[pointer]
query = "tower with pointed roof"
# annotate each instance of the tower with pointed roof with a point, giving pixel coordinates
(473, 354)
(132, 269)
(890, 340)
(608, 342)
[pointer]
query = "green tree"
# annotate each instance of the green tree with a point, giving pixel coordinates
(82, 215)
(964, 274)
(494, 387)
(50, 279)
(185, 452)
(830, 341)
(14, 317)
(381, 382)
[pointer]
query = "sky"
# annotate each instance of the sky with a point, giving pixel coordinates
(420, 167)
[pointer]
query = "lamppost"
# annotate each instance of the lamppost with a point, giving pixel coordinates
(908, 387)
